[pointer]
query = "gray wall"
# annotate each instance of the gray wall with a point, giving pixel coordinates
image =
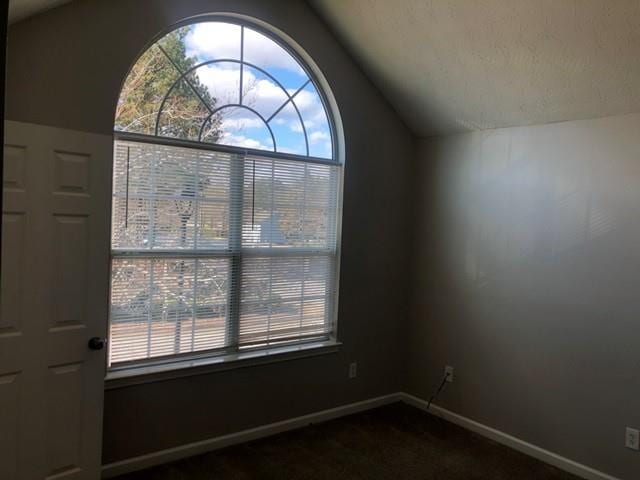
(65, 68)
(527, 281)
(525, 271)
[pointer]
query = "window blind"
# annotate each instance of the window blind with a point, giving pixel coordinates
(218, 252)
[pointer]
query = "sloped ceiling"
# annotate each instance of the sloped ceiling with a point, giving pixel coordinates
(458, 65)
(21, 9)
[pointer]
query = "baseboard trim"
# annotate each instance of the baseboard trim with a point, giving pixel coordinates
(172, 454)
(169, 455)
(534, 451)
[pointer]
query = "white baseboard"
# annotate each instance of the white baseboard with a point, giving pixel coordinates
(171, 454)
(546, 456)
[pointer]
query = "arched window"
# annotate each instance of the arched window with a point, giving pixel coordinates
(226, 84)
(226, 200)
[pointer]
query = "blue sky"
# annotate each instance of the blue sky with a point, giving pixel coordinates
(241, 127)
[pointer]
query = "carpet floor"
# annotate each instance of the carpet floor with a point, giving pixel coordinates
(395, 442)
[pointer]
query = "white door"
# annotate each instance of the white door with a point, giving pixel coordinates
(55, 247)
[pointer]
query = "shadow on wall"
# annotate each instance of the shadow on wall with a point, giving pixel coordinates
(527, 283)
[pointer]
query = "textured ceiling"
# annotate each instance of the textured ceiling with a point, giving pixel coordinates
(21, 9)
(457, 65)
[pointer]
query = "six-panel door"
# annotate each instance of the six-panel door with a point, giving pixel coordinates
(55, 247)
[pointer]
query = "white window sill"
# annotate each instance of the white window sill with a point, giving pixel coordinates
(187, 367)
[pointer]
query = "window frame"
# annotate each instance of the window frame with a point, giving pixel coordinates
(203, 361)
(289, 45)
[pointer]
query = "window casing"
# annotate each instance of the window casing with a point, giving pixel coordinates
(226, 243)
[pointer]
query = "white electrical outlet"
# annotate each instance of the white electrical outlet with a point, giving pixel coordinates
(448, 371)
(353, 370)
(632, 438)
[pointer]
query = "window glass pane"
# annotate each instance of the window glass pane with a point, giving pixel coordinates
(315, 121)
(149, 80)
(284, 298)
(221, 81)
(183, 113)
(261, 93)
(188, 86)
(165, 307)
(170, 198)
(261, 51)
(206, 41)
(239, 127)
(289, 204)
(136, 232)
(213, 225)
(288, 131)
(173, 199)
(173, 46)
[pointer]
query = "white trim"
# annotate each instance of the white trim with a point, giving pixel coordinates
(201, 364)
(534, 451)
(171, 454)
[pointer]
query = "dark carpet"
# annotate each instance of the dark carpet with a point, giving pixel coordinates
(395, 442)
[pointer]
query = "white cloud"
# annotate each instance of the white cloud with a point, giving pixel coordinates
(242, 123)
(262, 95)
(295, 126)
(215, 40)
(318, 136)
(287, 150)
(311, 108)
(222, 80)
(264, 52)
(211, 40)
(320, 143)
(242, 141)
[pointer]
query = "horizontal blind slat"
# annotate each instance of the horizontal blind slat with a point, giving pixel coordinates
(172, 282)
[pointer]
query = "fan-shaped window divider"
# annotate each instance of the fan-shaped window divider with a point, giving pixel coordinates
(226, 202)
(229, 85)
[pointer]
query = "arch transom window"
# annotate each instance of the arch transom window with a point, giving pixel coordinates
(226, 201)
(227, 84)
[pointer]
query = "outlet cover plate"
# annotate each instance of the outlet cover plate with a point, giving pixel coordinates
(448, 371)
(632, 438)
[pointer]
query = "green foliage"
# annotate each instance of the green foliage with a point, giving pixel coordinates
(152, 76)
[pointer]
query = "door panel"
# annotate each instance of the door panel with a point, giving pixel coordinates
(64, 454)
(70, 238)
(13, 231)
(72, 173)
(9, 398)
(15, 166)
(55, 257)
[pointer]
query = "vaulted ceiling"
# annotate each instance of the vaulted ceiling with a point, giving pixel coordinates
(457, 65)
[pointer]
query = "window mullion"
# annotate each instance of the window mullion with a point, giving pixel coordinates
(153, 203)
(236, 198)
(150, 307)
(196, 262)
(303, 207)
(331, 313)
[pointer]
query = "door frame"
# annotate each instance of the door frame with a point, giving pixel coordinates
(4, 19)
